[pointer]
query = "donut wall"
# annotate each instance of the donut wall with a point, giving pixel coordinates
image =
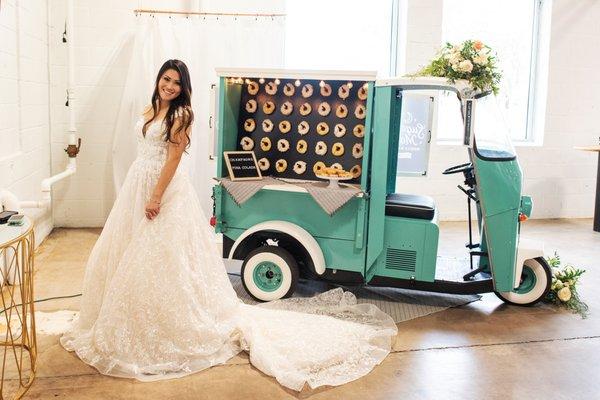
(297, 127)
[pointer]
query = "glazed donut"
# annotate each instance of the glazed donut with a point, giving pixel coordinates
(283, 145)
(318, 167)
(249, 125)
(247, 143)
(271, 88)
(265, 144)
(326, 90)
(324, 109)
(339, 130)
(355, 171)
(285, 126)
(305, 109)
(252, 88)
(287, 108)
(281, 165)
(301, 146)
(263, 164)
(343, 91)
(360, 112)
(268, 107)
(337, 165)
(362, 92)
(251, 105)
(322, 128)
(289, 89)
(321, 148)
(300, 167)
(307, 90)
(341, 111)
(357, 150)
(359, 130)
(267, 125)
(303, 128)
(337, 149)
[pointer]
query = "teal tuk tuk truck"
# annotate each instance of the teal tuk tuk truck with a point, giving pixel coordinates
(381, 237)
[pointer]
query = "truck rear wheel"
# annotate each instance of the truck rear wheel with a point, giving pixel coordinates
(269, 273)
(536, 279)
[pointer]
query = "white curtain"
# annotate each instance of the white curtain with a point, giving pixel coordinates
(203, 43)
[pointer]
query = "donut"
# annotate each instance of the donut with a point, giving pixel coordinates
(247, 143)
(337, 166)
(287, 108)
(281, 165)
(301, 146)
(339, 130)
(343, 92)
(251, 105)
(303, 128)
(285, 126)
(268, 107)
(318, 167)
(359, 130)
(263, 164)
(321, 148)
(265, 144)
(355, 171)
(357, 150)
(362, 92)
(322, 128)
(252, 88)
(325, 90)
(271, 88)
(267, 125)
(307, 90)
(249, 125)
(300, 167)
(289, 89)
(341, 111)
(305, 109)
(324, 109)
(360, 112)
(283, 145)
(337, 149)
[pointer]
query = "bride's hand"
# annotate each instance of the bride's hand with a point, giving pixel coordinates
(152, 209)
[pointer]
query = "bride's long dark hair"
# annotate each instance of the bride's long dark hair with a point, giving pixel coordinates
(184, 100)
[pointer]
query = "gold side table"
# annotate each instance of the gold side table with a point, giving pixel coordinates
(17, 323)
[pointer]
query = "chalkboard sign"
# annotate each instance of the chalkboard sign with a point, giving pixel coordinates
(242, 165)
(414, 135)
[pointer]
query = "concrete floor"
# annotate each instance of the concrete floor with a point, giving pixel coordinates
(485, 349)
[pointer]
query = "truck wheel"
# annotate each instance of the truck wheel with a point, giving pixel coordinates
(269, 273)
(536, 279)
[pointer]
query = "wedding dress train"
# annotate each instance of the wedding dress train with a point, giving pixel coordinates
(157, 302)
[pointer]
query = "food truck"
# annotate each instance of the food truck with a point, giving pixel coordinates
(381, 236)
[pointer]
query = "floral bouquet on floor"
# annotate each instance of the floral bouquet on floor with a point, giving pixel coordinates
(471, 60)
(563, 290)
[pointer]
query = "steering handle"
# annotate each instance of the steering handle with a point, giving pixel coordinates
(458, 168)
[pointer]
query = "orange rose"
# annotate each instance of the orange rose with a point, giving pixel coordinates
(477, 45)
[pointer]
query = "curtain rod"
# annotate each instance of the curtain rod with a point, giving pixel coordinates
(144, 11)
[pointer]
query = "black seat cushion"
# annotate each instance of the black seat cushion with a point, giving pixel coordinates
(409, 206)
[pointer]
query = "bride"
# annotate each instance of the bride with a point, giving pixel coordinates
(157, 302)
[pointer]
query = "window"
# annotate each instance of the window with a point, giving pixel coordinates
(511, 29)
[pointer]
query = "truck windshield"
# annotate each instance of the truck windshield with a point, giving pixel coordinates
(491, 131)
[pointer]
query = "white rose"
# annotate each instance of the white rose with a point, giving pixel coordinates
(559, 285)
(455, 58)
(465, 66)
(564, 294)
(480, 59)
(455, 67)
(555, 272)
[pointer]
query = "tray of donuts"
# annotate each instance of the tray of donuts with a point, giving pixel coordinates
(297, 129)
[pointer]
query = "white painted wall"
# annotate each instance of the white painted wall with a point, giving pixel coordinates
(560, 179)
(24, 103)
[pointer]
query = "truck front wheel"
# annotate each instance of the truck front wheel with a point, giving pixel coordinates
(536, 279)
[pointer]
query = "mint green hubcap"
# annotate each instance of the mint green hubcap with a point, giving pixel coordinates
(528, 281)
(267, 276)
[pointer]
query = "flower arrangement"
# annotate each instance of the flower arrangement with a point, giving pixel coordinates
(563, 290)
(471, 60)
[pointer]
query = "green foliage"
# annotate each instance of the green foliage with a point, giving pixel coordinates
(471, 60)
(563, 290)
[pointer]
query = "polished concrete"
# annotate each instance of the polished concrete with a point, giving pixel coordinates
(485, 349)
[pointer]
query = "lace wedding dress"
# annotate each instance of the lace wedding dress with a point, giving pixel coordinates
(157, 302)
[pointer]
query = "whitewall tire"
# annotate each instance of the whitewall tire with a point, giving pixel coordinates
(269, 273)
(535, 282)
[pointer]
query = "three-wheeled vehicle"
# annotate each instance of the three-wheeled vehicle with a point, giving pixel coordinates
(381, 237)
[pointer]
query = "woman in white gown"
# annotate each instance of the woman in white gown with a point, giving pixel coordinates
(157, 302)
